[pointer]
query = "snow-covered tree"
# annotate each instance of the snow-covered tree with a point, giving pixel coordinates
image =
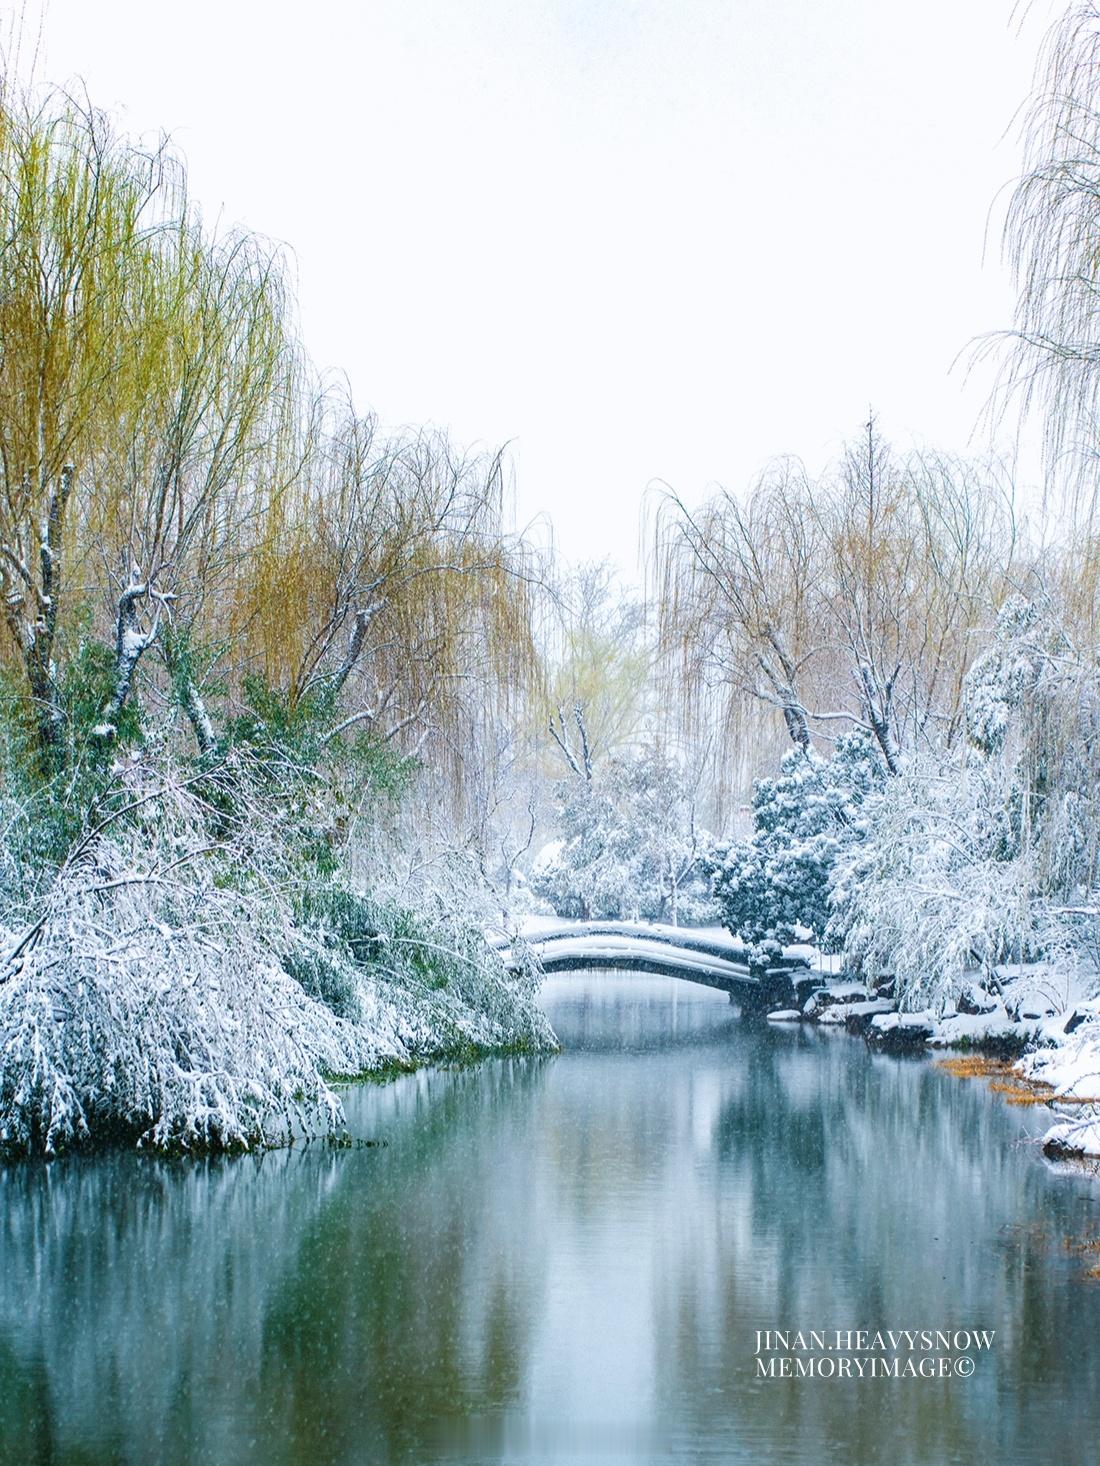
(629, 844)
(233, 612)
(939, 893)
(776, 881)
(989, 855)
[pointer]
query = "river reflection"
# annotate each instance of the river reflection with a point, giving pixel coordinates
(564, 1259)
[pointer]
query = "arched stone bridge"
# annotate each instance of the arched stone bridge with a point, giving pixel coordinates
(709, 957)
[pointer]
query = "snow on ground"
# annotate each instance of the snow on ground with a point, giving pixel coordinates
(1046, 1010)
(964, 1030)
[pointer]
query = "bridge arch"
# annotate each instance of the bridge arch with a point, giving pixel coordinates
(709, 959)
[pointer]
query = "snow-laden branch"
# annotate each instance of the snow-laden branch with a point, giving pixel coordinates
(132, 641)
(177, 985)
(356, 643)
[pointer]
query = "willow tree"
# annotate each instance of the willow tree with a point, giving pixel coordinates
(1051, 229)
(205, 447)
(595, 693)
(915, 555)
(844, 603)
(141, 367)
(72, 210)
(382, 592)
(735, 585)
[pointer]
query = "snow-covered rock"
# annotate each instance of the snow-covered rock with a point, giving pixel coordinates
(831, 995)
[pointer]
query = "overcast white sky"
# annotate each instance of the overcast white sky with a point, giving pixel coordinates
(641, 239)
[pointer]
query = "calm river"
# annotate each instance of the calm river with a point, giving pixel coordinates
(566, 1259)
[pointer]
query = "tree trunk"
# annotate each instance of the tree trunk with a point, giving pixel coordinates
(131, 643)
(31, 584)
(198, 717)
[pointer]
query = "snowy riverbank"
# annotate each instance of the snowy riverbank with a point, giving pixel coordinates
(1043, 1020)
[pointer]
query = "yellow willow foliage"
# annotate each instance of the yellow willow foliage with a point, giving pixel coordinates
(598, 661)
(281, 591)
(150, 358)
(214, 367)
(609, 682)
(72, 212)
(404, 532)
(167, 464)
(78, 215)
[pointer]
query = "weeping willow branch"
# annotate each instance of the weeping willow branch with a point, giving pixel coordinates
(1050, 360)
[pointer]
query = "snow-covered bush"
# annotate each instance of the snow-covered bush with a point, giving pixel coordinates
(777, 880)
(422, 949)
(193, 978)
(988, 855)
(940, 893)
(146, 999)
(1008, 671)
(629, 845)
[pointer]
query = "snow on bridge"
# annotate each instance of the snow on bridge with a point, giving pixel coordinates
(706, 955)
(709, 955)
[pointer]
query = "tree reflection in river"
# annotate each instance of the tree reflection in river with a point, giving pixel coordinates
(563, 1258)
